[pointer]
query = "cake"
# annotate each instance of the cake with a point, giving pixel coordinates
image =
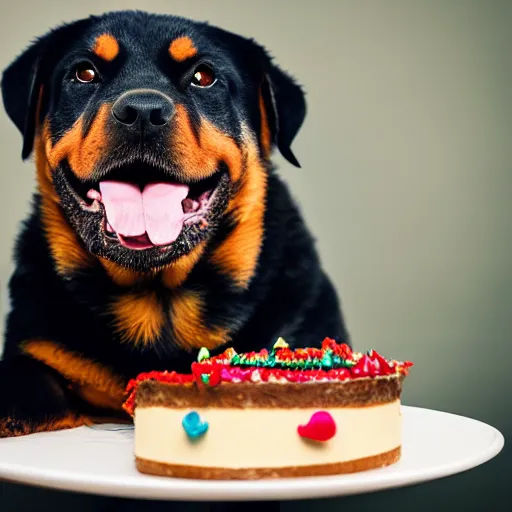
(269, 414)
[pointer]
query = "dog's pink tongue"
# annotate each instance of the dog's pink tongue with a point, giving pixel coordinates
(156, 211)
(123, 205)
(163, 211)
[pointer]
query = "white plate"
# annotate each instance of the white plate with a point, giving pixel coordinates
(99, 460)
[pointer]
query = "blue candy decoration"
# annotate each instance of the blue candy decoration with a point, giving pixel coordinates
(193, 425)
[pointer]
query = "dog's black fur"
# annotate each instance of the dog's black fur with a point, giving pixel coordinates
(288, 295)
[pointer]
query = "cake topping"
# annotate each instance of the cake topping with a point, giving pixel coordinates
(332, 362)
(320, 427)
(203, 354)
(194, 426)
(331, 356)
(280, 343)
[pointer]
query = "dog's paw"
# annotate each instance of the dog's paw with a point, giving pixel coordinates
(31, 398)
(12, 427)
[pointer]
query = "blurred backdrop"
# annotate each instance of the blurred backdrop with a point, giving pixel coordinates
(406, 181)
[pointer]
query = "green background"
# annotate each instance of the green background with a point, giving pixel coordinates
(406, 181)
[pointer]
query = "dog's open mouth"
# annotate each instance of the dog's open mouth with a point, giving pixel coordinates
(142, 213)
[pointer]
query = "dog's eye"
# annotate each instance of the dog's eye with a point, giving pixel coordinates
(85, 73)
(203, 76)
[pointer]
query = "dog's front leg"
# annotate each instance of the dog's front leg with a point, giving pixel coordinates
(34, 398)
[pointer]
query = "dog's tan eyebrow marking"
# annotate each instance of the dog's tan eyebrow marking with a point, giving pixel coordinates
(106, 47)
(182, 49)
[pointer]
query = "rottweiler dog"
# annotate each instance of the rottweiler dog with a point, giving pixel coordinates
(159, 225)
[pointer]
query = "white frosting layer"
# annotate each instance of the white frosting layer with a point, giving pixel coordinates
(252, 438)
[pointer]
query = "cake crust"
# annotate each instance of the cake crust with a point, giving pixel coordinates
(212, 473)
(350, 393)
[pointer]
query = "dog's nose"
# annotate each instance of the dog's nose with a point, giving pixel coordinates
(143, 109)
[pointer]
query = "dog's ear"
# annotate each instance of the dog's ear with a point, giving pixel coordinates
(20, 92)
(286, 104)
(27, 74)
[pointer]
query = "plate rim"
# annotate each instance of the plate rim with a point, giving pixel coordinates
(173, 489)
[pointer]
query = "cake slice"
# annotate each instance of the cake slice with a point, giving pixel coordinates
(270, 414)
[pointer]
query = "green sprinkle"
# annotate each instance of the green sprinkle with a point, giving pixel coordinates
(205, 378)
(327, 360)
(235, 359)
(203, 354)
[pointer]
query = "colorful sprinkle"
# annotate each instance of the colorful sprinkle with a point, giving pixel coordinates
(203, 354)
(280, 343)
(332, 362)
(320, 427)
(194, 426)
(327, 361)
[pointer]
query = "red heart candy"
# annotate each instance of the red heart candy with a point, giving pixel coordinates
(320, 427)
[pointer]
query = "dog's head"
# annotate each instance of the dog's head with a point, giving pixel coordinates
(145, 128)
